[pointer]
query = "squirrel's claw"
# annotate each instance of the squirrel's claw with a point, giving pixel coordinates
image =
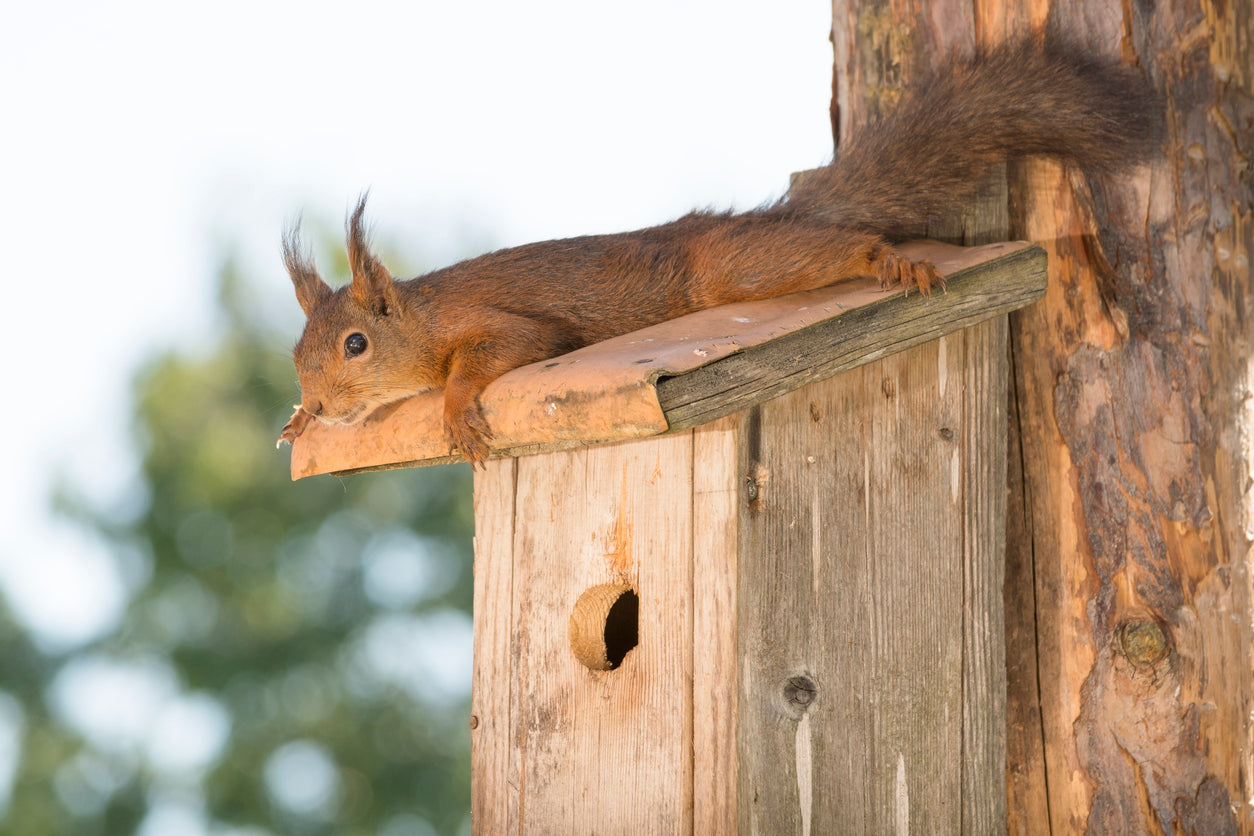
(892, 268)
(468, 433)
(294, 427)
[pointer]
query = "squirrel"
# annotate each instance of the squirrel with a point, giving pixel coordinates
(378, 339)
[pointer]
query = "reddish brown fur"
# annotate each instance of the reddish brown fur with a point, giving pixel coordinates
(465, 325)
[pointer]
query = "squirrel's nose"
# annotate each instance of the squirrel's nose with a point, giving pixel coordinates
(314, 408)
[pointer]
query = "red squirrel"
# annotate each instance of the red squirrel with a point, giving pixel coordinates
(378, 339)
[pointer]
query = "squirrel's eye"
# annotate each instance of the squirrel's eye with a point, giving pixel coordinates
(354, 344)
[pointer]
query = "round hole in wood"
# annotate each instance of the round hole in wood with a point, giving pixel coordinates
(604, 625)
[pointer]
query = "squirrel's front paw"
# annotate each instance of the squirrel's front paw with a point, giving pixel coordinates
(468, 432)
(893, 268)
(294, 426)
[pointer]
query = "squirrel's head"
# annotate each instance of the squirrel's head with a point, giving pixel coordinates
(362, 346)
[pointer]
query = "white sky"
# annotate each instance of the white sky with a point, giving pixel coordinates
(138, 137)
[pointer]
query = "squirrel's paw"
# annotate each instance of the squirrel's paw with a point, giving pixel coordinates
(895, 269)
(294, 426)
(468, 432)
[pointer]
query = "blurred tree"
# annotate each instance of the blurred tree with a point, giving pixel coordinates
(295, 657)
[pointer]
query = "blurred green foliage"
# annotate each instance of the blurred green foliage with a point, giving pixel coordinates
(325, 621)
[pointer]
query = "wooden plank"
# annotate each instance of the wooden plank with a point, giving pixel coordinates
(493, 808)
(989, 289)
(803, 631)
(914, 517)
(716, 486)
(986, 384)
(851, 703)
(608, 751)
(1027, 799)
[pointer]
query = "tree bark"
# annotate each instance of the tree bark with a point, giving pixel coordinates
(1129, 595)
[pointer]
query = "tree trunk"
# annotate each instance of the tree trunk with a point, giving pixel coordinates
(1129, 596)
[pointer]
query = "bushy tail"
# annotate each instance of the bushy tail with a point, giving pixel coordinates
(929, 155)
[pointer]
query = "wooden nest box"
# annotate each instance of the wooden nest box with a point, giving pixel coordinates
(742, 571)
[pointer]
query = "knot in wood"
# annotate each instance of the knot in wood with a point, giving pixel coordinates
(1143, 642)
(799, 692)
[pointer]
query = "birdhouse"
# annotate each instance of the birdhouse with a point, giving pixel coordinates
(742, 570)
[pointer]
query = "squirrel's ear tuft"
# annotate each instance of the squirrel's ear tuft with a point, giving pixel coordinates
(311, 290)
(372, 283)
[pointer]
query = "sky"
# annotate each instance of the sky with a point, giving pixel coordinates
(143, 139)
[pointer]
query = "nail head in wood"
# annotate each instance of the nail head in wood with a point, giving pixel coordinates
(755, 487)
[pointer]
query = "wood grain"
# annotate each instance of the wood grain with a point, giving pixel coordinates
(866, 617)
(1132, 375)
(985, 378)
(819, 615)
(592, 751)
(716, 491)
(992, 288)
(1130, 462)
(494, 765)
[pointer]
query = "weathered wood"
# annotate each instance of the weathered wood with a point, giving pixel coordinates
(854, 673)
(492, 808)
(993, 287)
(986, 372)
(716, 492)
(1131, 464)
(1061, 629)
(1026, 787)
(592, 751)
(819, 588)
(1133, 376)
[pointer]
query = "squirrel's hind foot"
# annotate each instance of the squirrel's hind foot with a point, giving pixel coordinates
(892, 268)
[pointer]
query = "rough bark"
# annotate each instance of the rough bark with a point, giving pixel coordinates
(1129, 617)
